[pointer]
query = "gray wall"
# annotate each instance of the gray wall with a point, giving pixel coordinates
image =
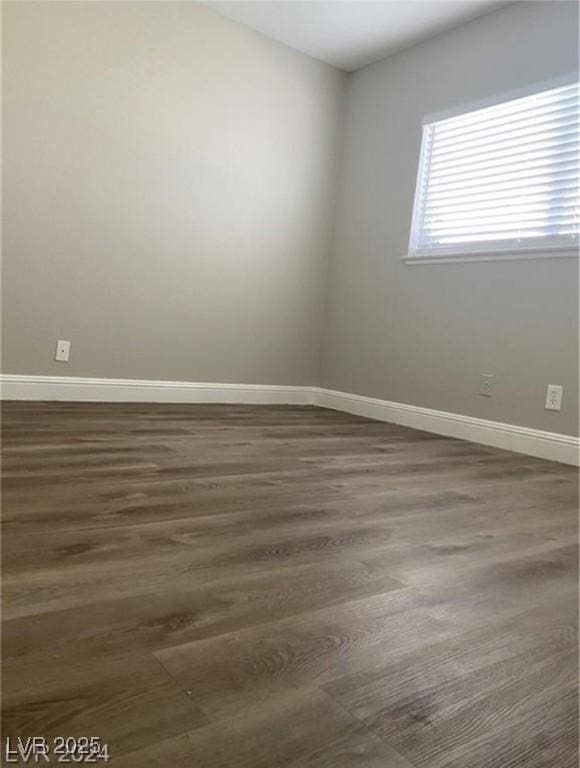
(422, 334)
(168, 187)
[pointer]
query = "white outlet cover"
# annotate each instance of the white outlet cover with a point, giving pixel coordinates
(554, 395)
(62, 351)
(486, 384)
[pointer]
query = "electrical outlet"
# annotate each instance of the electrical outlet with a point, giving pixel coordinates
(486, 384)
(62, 351)
(554, 394)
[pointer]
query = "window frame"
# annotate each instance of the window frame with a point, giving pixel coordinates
(474, 253)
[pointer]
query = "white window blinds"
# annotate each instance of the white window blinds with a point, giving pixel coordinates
(500, 180)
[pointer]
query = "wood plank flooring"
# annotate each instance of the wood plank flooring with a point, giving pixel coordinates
(285, 587)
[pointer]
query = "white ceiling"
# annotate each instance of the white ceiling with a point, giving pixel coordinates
(350, 34)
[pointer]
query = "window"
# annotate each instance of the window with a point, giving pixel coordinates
(500, 181)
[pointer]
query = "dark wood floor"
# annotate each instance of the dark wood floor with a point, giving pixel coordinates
(283, 587)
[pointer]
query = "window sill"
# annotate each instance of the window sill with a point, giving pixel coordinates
(468, 256)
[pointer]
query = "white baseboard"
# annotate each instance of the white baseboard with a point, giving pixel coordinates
(510, 437)
(534, 442)
(82, 389)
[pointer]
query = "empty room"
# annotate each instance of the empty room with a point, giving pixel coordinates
(290, 332)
